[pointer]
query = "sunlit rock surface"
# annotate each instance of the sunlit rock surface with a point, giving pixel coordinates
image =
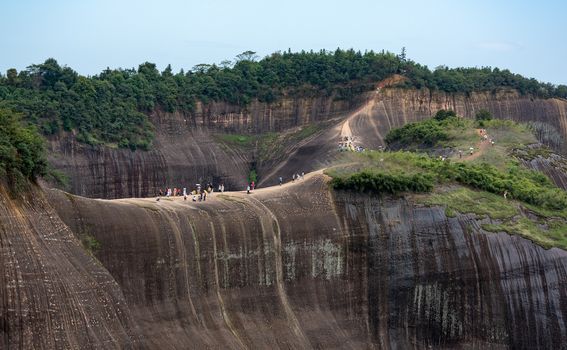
(185, 150)
(53, 294)
(300, 266)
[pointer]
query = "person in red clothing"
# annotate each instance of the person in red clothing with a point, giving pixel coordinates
(252, 185)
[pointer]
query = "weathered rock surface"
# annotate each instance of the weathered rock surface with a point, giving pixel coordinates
(54, 295)
(299, 266)
(185, 150)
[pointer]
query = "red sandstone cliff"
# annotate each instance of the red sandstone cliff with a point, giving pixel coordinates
(185, 150)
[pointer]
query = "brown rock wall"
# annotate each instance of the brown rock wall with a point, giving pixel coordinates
(302, 267)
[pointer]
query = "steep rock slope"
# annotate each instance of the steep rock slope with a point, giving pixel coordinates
(389, 108)
(53, 295)
(185, 150)
(299, 266)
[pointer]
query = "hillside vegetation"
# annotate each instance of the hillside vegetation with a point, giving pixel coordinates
(22, 155)
(494, 184)
(112, 107)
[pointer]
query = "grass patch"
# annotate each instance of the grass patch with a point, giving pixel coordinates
(549, 230)
(464, 200)
(237, 140)
(534, 208)
(546, 234)
(91, 244)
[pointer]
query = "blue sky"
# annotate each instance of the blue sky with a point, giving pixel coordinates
(527, 37)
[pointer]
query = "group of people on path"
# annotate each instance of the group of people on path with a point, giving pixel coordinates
(346, 143)
(198, 193)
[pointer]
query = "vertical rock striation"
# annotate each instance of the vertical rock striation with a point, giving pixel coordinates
(185, 150)
(300, 266)
(54, 295)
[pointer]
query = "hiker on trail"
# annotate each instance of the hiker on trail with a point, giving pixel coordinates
(293, 177)
(185, 191)
(505, 194)
(492, 142)
(281, 180)
(204, 196)
(200, 195)
(248, 189)
(460, 154)
(168, 194)
(160, 192)
(252, 185)
(222, 188)
(472, 150)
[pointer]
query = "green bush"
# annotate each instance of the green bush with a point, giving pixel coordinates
(443, 114)
(525, 185)
(22, 154)
(483, 115)
(379, 182)
(425, 133)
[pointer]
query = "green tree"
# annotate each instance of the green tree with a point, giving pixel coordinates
(22, 154)
(483, 115)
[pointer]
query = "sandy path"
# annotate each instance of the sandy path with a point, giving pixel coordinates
(482, 146)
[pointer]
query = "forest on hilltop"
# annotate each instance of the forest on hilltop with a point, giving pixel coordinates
(111, 108)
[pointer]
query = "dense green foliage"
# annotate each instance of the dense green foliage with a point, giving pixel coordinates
(444, 114)
(111, 108)
(379, 182)
(426, 133)
(525, 185)
(483, 115)
(21, 150)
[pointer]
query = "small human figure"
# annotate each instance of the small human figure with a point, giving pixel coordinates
(160, 192)
(302, 175)
(505, 194)
(204, 196)
(248, 189)
(293, 177)
(252, 185)
(460, 154)
(281, 180)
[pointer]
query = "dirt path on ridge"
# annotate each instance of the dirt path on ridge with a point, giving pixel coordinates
(482, 146)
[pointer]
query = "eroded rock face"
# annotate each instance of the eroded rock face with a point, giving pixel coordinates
(302, 267)
(54, 295)
(185, 150)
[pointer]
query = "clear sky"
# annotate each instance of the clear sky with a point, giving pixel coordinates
(527, 37)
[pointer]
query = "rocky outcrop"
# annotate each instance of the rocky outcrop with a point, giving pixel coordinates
(299, 266)
(186, 150)
(54, 295)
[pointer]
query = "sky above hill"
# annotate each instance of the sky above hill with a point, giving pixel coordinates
(527, 37)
